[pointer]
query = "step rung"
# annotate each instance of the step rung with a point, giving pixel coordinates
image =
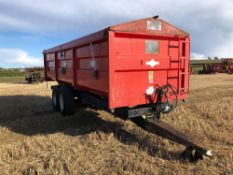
(185, 73)
(172, 46)
(175, 61)
(172, 77)
(184, 89)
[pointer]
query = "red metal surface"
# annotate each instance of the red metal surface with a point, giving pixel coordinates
(114, 62)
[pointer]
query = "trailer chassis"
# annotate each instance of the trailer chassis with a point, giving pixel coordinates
(144, 117)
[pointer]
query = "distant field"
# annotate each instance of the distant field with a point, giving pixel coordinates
(204, 61)
(197, 65)
(11, 75)
(34, 139)
(11, 79)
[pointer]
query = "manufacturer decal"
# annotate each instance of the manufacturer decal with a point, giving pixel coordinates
(152, 63)
(151, 76)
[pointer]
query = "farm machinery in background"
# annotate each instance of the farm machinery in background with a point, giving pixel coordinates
(34, 74)
(224, 65)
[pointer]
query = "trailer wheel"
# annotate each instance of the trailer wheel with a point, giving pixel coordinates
(55, 98)
(66, 101)
(29, 80)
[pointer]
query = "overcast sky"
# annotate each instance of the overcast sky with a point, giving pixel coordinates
(27, 27)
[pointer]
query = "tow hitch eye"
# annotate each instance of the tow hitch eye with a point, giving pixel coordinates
(167, 108)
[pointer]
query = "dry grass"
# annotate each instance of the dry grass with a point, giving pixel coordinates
(36, 140)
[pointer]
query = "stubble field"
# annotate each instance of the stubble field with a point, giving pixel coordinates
(36, 140)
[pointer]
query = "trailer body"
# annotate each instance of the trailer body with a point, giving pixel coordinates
(135, 69)
(124, 63)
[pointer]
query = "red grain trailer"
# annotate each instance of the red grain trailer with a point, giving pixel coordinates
(124, 64)
(139, 68)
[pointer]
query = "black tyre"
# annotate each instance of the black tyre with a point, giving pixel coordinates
(66, 100)
(29, 80)
(55, 98)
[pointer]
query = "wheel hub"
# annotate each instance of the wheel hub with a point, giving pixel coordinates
(61, 100)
